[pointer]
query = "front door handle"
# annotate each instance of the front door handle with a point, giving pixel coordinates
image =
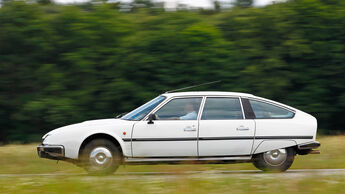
(190, 128)
(242, 128)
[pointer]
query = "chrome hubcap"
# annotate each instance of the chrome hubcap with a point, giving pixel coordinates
(275, 157)
(100, 157)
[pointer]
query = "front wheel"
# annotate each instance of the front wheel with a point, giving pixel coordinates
(100, 157)
(278, 160)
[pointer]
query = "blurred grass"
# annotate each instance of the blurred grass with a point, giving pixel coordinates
(22, 159)
(180, 184)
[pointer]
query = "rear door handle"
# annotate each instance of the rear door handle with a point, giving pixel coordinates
(242, 128)
(190, 128)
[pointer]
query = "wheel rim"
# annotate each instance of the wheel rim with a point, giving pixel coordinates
(100, 158)
(275, 157)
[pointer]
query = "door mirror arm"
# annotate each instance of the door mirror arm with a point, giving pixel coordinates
(151, 118)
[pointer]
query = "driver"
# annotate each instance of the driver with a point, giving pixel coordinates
(191, 113)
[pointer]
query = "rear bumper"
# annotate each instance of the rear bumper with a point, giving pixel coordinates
(308, 148)
(54, 152)
(310, 145)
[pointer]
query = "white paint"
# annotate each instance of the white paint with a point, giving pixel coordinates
(302, 124)
(72, 136)
(225, 128)
(165, 129)
(267, 145)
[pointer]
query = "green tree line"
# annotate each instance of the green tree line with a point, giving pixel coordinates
(63, 64)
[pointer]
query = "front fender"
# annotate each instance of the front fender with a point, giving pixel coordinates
(72, 137)
(125, 149)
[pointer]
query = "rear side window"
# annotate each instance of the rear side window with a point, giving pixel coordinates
(222, 109)
(264, 110)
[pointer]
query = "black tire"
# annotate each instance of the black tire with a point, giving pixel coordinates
(100, 163)
(263, 164)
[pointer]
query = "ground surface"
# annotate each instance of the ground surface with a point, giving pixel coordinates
(22, 171)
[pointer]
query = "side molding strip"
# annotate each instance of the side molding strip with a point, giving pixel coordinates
(217, 138)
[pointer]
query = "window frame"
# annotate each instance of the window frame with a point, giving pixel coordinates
(157, 108)
(273, 104)
(233, 97)
(203, 101)
(142, 106)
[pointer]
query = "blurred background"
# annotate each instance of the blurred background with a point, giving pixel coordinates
(63, 62)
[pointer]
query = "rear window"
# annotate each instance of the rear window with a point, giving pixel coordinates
(264, 110)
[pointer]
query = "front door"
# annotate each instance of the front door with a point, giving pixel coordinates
(223, 130)
(173, 134)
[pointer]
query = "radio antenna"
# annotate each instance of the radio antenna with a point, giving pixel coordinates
(194, 86)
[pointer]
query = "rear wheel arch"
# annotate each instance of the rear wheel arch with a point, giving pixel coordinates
(264, 163)
(100, 136)
(267, 145)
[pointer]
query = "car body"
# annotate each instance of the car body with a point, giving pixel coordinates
(190, 126)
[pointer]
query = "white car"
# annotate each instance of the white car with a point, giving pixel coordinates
(210, 127)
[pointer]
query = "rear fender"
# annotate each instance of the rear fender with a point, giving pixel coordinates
(268, 145)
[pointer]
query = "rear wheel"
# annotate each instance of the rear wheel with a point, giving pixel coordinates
(278, 160)
(101, 157)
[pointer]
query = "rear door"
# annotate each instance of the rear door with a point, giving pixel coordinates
(223, 129)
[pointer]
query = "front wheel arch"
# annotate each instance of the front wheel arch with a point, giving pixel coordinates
(99, 136)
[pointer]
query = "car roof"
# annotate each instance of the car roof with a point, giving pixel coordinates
(206, 93)
(217, 93)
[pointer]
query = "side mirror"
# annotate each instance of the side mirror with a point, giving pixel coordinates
(151, 118)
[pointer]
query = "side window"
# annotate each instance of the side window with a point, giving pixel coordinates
(180, 109)
(268, 111)
(222, 109)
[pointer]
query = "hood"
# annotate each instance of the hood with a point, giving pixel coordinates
(99, 122)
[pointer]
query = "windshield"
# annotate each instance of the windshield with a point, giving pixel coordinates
(143, 110)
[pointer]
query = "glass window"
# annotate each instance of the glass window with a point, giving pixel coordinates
(143, 110)
(180, 109)
(222, 109)
(268, 111)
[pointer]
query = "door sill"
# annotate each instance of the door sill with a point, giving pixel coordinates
(187, 159)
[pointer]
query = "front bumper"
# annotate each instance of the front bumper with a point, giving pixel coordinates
(54, 152)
